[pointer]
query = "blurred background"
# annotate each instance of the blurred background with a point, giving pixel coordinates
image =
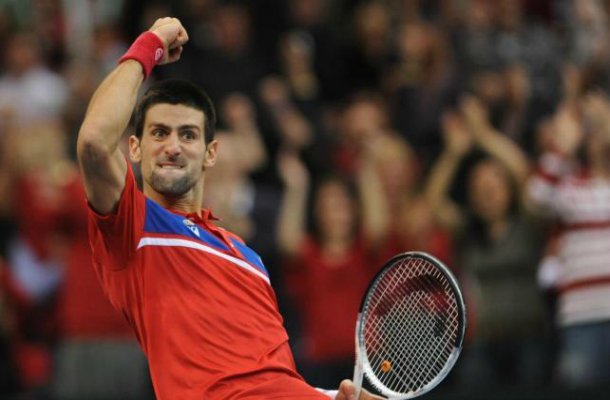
(475, 130)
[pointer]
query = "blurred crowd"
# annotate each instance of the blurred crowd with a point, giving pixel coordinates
(350, 130)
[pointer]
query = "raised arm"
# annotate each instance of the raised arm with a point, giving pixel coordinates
(557, 160)
(102, 163)
(493, 142)
(293, 211)
(295, 130)
(240, 116)
(458, 142)
(375, 208)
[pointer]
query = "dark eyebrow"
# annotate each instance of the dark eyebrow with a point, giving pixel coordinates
(180, 128)
(159, 125)
(185, 127)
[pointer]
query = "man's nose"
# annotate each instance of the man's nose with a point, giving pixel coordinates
(172, 144)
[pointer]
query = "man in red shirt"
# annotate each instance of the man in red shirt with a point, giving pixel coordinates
(198, 299)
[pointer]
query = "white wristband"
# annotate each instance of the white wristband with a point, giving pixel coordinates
(330, 393)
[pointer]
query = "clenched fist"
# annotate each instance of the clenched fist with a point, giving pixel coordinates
(173, 35)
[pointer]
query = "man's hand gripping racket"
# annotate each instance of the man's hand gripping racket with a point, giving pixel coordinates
(410, 327)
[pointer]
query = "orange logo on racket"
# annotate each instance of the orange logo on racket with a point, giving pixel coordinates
(386, 366)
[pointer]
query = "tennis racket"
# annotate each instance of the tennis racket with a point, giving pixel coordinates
(410, 327)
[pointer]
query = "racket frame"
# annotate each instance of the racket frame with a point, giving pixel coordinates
(362, 365)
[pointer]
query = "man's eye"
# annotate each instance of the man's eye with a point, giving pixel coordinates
(188, 135)
(158, 133)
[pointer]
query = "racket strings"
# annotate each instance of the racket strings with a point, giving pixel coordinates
(406, 345)
(411, 325)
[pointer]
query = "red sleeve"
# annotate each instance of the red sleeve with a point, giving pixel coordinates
(114, 237)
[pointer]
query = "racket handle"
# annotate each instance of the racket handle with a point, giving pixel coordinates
(358, 374)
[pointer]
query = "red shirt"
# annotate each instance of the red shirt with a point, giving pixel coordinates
(198, 300)
(328, 294)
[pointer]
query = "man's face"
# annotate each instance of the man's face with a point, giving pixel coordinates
(172, 150)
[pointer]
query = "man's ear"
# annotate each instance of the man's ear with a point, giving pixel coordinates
(135, 153)
(210, 154)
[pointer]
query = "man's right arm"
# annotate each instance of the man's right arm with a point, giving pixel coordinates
(102, 164)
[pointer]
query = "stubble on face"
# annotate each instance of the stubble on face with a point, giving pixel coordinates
(173, 188)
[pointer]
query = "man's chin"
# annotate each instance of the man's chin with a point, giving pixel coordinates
(171, 192)
(171, 187)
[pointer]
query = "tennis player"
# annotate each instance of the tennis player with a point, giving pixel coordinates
(197, 298)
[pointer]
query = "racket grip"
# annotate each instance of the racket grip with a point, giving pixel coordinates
(358, 375)
(358, 372)
(358, 378)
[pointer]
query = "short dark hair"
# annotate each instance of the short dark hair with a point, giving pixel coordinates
(176, 91)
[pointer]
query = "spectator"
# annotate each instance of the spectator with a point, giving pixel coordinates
(313, 28)
(28, 89)
(370, 50)
(35, 253)
(527, 42)
(499, 251)
(229, 62)
(338, 247)
(67, 331)
(577, 195)
(243, 153)
(362, 120)
(425, 83)
(91, 334)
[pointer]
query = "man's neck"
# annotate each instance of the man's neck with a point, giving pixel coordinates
(190, 202)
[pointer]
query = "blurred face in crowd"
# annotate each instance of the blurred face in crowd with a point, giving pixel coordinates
(362, 121)
(489, 86)
(199, 9)
(489, 191)
(231, 28)
(308, 12)
(396, 165)
(172, 151)
(22, 53)
(509, 13)
(414, 40)
(372, 25)
(335, 211)
(416, 220)
(422, 44)
(480, 14)
(49, 149)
